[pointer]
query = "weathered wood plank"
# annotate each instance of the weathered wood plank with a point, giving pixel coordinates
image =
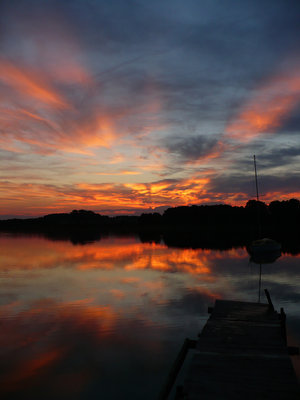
(241, 354)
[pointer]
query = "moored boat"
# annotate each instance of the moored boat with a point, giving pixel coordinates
(264, 250)
(264, 245)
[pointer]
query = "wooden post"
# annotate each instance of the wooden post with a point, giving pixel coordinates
(269, 300)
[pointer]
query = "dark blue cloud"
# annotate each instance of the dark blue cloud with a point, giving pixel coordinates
(191, 148)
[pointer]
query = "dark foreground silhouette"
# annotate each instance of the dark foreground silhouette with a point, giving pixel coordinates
(207, 226)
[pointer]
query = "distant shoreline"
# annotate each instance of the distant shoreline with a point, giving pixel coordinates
(215, 226)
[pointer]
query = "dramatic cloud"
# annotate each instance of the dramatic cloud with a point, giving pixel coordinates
(265, 113)
(127, 106)
(103, 197)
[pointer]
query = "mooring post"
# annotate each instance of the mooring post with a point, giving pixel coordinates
(269, 300)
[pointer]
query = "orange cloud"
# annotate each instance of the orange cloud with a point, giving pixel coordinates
(276, 195)
(59, 125)
(265, 112)
(44, 135)
(40, 114)
(31, 84)
(116, 198)
(185, 191)
(107, 196)
(123, 172)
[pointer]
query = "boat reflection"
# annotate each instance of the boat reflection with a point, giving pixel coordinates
(266, 252)
(265, 257)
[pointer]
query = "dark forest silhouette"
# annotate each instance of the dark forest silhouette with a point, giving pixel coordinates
(212, 226)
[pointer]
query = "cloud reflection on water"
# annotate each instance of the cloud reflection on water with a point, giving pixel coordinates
(75, 318)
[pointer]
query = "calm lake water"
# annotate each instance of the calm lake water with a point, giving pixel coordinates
(106, 319)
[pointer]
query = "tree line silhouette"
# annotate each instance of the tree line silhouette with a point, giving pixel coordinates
(214, 225)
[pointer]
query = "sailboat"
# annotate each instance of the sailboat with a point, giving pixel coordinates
(263, 250)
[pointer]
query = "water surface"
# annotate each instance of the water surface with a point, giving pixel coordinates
(106, 319)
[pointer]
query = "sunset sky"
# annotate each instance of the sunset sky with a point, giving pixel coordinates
(127, 106)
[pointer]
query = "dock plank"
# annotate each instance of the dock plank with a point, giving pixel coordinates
(241, 354)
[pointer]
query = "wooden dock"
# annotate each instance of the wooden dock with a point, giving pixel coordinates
(241, 354)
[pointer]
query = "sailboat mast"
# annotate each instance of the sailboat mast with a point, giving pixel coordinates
(256, 185)
(257, 198)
